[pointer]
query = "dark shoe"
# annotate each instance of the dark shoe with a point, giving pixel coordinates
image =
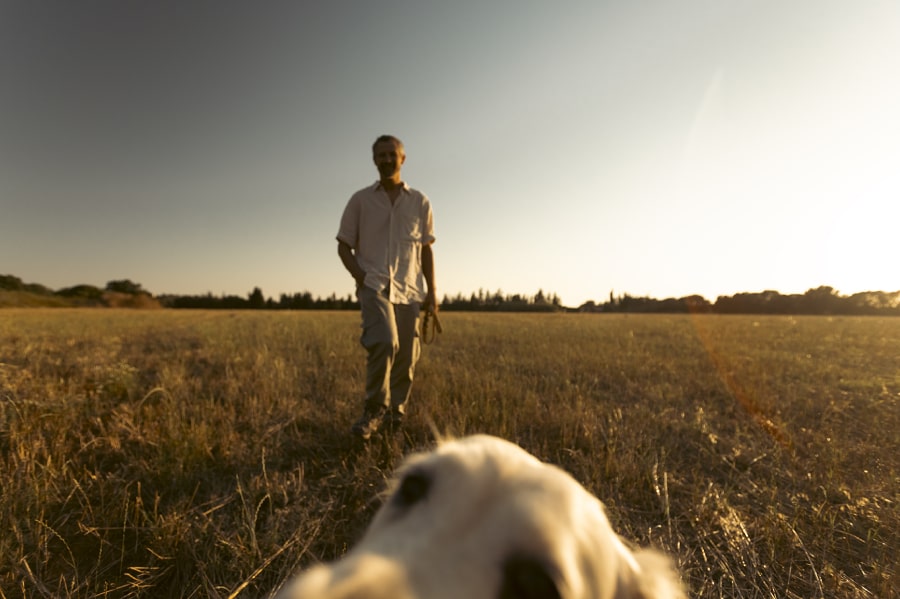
(368, 424)
(392, 420)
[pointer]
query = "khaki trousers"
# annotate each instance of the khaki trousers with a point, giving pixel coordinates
(391, 338)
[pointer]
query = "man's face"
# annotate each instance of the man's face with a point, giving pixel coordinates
(388, 157)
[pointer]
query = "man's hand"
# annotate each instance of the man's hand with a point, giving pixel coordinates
(431, 324)
(350, 263)
(430, 304)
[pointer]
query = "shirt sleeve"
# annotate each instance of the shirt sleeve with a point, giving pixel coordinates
(348, 232)
(428, 220)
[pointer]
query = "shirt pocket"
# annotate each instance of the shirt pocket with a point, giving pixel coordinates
(408, 228)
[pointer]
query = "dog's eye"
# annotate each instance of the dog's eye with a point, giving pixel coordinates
(413, 488)
(526, 578)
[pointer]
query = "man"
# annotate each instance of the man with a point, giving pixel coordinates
(384, 242)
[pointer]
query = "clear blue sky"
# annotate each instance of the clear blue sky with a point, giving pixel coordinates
(646, 147)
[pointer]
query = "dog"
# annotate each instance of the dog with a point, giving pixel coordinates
(481, 518)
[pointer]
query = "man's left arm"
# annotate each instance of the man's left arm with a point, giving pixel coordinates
(431, 302)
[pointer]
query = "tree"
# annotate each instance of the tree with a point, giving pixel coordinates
(10, 282)
(125, 286)
(257, 300)
(821, 300)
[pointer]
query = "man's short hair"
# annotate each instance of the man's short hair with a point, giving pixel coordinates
(382, 138)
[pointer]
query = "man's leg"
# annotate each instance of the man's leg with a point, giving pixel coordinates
(380, 339)
(403, 370)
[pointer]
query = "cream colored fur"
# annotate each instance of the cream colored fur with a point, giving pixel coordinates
(480, 518)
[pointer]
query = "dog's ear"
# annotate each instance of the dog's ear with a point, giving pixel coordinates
(526, 578)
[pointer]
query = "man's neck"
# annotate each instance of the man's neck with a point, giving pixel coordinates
(392, 182)
(392, 187)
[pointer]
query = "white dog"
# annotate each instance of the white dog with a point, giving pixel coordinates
(480, 518)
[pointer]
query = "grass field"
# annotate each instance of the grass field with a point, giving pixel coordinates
(206, 454)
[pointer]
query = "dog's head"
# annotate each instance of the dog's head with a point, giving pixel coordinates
(480, 518)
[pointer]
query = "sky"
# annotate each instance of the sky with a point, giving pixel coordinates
(581, 148)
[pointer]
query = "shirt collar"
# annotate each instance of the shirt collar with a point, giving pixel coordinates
(403, 185)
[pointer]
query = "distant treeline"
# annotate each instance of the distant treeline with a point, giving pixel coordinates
(255, 300)
(498, 302)
(125, 293)
(821, 300)
(116, 294)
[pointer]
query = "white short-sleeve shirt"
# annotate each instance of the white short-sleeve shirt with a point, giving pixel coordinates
(387, 239)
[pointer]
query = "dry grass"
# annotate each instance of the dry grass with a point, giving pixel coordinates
(200, 454)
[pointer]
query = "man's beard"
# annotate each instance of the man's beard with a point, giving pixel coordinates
(388, 170)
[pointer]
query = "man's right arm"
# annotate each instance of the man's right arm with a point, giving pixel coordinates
(351, 263)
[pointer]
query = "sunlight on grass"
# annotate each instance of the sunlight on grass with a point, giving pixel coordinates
(179, 453)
